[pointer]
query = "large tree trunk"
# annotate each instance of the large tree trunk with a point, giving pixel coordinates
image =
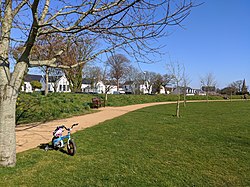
(7, 126)
(8, 94)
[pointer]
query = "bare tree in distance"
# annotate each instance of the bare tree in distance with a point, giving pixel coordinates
(237, 85)
(134, 78)
(149, 80)
(77, 50)
(167, 79)
(158, 84)
(93, 74)
(119, 23)
(52, 75)
(208, 83)
(229, 90)
(185, 82)
(107, 81)
(119, 67)
(175, 69)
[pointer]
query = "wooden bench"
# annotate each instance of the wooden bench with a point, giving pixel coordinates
(96, 102)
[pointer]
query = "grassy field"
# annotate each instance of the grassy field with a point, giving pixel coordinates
(208, 146)
(38, 108)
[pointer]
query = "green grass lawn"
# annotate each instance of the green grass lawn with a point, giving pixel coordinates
(208, 146)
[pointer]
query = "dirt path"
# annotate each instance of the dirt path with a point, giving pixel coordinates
(28, 137)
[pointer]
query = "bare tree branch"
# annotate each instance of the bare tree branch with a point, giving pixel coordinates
(18, 8)
(127, 24)
(45, 11)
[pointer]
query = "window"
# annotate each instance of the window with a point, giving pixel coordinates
(64, 88)
(60, 87)
(25, 87)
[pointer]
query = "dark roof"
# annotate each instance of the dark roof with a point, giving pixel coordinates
(86, 81)
(29, 78)
(54, 78)
(128, 82)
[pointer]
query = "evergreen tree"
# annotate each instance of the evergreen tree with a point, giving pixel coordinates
(244, 87)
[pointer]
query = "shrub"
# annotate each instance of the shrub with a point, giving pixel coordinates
(36, 85)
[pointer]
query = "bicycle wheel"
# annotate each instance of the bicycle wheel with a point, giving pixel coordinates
(71, 147)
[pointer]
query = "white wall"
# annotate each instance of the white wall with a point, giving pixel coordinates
(26, 87)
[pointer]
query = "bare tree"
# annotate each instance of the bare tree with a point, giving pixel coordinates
(233, 88)
(154, 82)
(119, 67)
(175, 69)
(118, 23)
(93, 74)
(229, 90)
(167, 79)
(208, 83)
(149, 80)
(185, 82)
(237, 85)
(77, 50)
(158, 83)
(107, 81)
(134, 78)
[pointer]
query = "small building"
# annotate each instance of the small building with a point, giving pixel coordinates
(131, 87)
(26, 87)
(57, 84)
(190, 91)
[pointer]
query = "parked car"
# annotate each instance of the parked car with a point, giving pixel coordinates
(119, 92)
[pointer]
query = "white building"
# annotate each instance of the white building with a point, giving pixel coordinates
(57, 84)
(132, 87)
(61, 84)
(26, 87)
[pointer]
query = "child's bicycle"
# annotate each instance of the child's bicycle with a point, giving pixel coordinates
(58, 140)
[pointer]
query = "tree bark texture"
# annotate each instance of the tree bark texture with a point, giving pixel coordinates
(7, 126)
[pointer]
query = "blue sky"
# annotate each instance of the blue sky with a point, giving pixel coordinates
(215, 39)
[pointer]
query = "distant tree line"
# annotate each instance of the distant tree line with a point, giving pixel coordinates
(235, 88)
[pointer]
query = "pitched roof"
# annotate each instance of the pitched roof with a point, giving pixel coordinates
(29, 78)
(86, 81)
(54, 78)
